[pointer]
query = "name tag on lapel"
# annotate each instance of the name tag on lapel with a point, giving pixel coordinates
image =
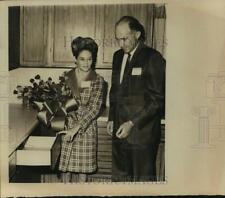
(85, 84)
(136, 71)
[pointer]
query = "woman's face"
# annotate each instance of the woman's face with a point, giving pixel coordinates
(84, 60)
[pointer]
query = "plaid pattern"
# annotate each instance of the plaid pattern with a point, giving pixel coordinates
(80, 155)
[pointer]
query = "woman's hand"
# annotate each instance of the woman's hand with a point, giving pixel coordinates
(71, 133)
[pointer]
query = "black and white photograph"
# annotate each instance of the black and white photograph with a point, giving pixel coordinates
(112, 98)
(87, 87)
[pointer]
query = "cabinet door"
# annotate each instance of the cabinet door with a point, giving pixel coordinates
(112, 13)
(33, 36)
(70, 22)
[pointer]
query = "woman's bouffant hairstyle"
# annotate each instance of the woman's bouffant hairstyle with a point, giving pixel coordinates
(80, 43)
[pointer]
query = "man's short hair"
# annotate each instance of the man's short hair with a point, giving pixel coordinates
(134, 24)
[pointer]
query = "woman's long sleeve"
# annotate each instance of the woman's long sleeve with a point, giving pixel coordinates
(94, 105)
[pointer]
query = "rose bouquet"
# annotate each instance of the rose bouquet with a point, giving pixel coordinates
(52, 100)
(41, 91)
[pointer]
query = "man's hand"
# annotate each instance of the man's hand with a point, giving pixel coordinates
(71, 133)
(124, 129)
(110, 128)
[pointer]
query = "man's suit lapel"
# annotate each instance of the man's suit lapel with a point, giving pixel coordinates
(132, 64)
(133, 60)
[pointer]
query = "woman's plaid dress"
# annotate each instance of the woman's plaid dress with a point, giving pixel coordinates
(80, 155)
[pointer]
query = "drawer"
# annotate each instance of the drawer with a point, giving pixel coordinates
(39, 151)
(33, 157)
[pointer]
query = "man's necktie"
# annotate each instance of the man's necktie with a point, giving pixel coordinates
(126, 70)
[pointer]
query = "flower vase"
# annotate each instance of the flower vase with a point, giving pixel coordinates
(26, 102)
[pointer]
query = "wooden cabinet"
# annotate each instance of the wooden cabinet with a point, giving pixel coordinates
(33, 36)
(47, 31)
(70, 22)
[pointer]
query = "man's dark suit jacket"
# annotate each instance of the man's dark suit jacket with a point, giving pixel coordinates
(139, 98)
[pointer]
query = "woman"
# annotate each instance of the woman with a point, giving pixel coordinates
(79, 145)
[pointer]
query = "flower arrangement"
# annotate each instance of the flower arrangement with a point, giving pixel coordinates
(41, 91)
(52, 100)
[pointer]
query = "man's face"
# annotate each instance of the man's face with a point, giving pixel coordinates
(127, 38)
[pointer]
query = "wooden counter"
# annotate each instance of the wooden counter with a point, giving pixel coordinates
(21, 123)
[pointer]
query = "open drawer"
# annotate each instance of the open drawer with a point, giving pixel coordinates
(39, 151)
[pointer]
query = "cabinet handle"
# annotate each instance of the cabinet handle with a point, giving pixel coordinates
(64, 41)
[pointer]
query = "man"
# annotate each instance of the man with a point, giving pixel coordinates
(137, 98)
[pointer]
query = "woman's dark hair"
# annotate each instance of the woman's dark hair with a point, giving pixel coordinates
(80, 43)
(134, 24)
